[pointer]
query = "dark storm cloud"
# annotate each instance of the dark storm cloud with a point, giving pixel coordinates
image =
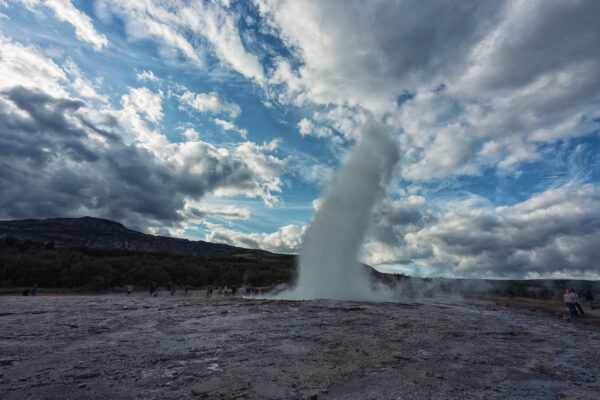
(373, 54)
(243, 241)
(45, 110)
(550, 38)
(392, 220)
(227, 213)
(43, 126)
(52, 166)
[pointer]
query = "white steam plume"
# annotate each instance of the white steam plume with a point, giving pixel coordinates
(329, 266)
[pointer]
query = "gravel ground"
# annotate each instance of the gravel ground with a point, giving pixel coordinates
(118, 347)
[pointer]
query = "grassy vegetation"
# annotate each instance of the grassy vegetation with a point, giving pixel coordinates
(23, 263)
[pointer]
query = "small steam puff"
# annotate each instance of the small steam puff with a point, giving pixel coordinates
(329, 266)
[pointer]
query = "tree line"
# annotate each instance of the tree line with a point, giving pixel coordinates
(23, 263)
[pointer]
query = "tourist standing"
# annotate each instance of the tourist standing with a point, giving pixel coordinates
(569, 300)
(129, 289)
(574, 293)
(186, 289)
(34, 289)
(153, 289)
(589, 298)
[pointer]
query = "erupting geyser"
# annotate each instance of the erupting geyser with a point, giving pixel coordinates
(329, 266)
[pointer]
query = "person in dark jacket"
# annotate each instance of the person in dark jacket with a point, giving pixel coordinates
(574, 293)
(589, 298)
(153, 289)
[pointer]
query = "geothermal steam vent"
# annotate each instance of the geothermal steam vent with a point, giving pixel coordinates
(329, 266)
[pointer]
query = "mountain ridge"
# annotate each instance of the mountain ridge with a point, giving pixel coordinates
(104, 233)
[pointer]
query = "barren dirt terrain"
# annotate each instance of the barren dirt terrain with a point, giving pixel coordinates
(118, 347)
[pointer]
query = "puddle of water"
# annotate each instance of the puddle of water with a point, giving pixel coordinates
(214, 367)
(146, 374)
(170, 372)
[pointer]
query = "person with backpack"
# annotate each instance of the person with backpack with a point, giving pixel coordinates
(589, 298)
(574, 293)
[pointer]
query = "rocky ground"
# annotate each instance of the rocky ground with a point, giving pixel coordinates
(119, 347)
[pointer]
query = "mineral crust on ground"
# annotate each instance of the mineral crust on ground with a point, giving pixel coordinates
(138, 347)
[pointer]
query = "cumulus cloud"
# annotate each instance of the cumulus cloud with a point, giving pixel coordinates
(191, 135)
(551, 234)
(287, 239)
(145, 102)
(28, 67)
(267, 167)
(230, 126)
(61, 157)
(307, 127)
(467, 88)
(147, 75)
(367, 56)
(57, 162)
(393, 219)
(208, 102)
(466, 91)
(517, 93)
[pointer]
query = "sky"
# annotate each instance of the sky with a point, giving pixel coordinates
(227, 120)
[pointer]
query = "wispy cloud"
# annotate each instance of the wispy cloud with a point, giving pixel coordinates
(64, 10)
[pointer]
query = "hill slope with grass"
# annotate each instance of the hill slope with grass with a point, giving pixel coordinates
(23, 263)
(103, 233)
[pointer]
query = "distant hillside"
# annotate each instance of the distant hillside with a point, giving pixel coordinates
(103, 233)
(24, 262)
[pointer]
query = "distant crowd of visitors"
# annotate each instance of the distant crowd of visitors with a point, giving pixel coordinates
(571, 299)
(221, 290)
(172, 288)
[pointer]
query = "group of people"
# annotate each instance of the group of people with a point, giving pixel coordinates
(171, 287)
(220, 291)
(34, 288)
(571, 299)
